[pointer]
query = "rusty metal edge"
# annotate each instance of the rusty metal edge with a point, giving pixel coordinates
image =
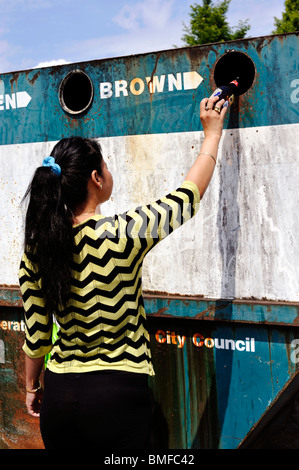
(201, 308)
(10, 296)
(243, 311)
(198, 298)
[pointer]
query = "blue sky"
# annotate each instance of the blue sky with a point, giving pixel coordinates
(41, 32)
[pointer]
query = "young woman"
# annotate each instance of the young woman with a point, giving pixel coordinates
(85, 269)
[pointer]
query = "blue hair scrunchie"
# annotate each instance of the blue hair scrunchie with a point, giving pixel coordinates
(50, 161)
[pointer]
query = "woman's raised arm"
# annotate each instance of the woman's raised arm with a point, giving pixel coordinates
(202, 170)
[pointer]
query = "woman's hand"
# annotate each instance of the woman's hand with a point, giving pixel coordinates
(33, 402)
(212, 120)
(34, 392)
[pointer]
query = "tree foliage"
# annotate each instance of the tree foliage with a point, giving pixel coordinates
(209, 24)
(290, 18)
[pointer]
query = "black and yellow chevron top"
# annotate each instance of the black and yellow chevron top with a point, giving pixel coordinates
(103, 326)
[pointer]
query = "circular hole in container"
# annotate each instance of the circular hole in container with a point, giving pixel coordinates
(76, 92)
(235, 64)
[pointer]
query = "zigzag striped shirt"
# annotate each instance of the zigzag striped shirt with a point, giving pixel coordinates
(103, 325)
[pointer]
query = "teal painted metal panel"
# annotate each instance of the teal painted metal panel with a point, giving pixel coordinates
(215, 387)
(282, 313)
(31, 112)
(213, 380)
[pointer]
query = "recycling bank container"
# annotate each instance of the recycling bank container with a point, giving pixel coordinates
(221, 292)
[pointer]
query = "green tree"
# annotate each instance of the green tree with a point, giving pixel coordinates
(209, 24)
(290, 18)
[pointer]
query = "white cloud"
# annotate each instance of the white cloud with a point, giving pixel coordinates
(50, 63)
(155, 15)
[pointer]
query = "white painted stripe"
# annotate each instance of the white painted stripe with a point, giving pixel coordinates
(242, 244)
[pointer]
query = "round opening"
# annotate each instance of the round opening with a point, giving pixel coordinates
(235, 64)
(76, 92)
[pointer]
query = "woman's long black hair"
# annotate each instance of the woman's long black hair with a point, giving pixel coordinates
(52, 202)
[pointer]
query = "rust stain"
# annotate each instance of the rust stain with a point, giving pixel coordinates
(14, 81)
(10, 296)
(23, 431)
(18, 430)
(150, 83)
(34, 78)
(161, 312)
(155, 68)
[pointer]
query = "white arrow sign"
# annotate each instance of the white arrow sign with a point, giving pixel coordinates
(21, 99)
(191, 80)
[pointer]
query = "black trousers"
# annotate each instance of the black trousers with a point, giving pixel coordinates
(100, 410)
